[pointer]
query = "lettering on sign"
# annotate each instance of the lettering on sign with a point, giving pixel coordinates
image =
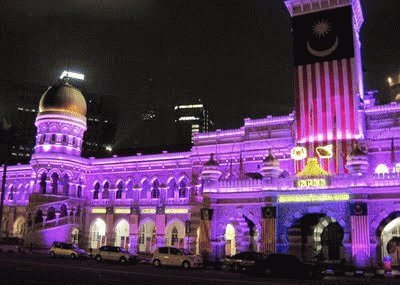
(148, 211)
(99, 210)
(311, 183)
(176, 211)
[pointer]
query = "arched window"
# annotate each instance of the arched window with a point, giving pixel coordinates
(155, 190)
(38, 217)
(96, 191)
(63, 211)
(11, 194)
(147, 237)
(97, 233)
(145, 189)
(79, 191)
(171, 188)
(381, 169)
(129, 190)
(182, 189)
(122, 234)
(106, 191)
(75, 236)
(54, 184)
(19, 227)
(65, 183)
(51, 213)
(118, 193)
(43, 179)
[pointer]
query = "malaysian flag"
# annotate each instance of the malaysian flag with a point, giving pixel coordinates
(325, 84)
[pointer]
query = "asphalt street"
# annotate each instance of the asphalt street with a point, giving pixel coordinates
(41, 269)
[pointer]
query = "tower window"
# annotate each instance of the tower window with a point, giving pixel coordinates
(53, 137)
(64, 139)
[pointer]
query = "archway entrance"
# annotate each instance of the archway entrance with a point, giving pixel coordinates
(390, 239)
(147, 237)
(230, 239)
(19, 227)
(331, 241)
(97, 233)
(175, 233)
(122, 234)
(75, 236)
(316, 236)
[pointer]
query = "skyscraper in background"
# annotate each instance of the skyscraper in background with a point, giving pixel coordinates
(190, 119)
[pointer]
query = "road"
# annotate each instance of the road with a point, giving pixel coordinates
(41, 269)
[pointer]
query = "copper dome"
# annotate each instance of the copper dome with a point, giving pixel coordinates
(63, 98)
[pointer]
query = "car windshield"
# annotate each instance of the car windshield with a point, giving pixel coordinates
(74, 246)
(123, 250)
(185, 251)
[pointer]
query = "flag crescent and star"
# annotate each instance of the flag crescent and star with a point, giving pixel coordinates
(323, 36)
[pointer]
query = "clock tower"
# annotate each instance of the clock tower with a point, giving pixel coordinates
(328, 76)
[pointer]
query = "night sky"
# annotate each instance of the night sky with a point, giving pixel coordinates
(141, 54)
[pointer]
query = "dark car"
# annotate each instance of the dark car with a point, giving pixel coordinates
(284, 266)
(243, 260)
(12, 244)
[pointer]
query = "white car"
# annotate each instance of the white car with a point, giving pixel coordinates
(113, 253)
(171, 256)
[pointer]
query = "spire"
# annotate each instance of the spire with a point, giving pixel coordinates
(241, 166)
(392, 153)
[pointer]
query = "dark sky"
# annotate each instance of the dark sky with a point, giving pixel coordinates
(235, 55)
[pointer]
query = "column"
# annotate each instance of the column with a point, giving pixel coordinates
(110, 234)
(11, 219)
(134, 230)
(205, 230)
(160, 226)
(360, 243)
(268, 227)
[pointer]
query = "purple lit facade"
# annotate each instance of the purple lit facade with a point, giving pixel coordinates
(250, 195)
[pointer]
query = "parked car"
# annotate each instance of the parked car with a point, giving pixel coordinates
(67, 250)
(171, 256)
(243, 260)
(12, 244)
(284, 266)
(113, 253)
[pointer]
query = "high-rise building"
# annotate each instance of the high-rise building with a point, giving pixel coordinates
(191, 119)
(394, 87)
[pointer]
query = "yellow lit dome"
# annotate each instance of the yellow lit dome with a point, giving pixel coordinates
(63, 98)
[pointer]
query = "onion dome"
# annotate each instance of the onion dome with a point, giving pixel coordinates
(357, 153)
(63, 98)
(211, 161)
(270, 166)
(357, 160)
(211, 170)
(270, 160)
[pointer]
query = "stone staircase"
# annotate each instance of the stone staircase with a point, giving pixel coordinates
(53, 218)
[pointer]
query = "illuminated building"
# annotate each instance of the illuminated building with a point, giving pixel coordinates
(329, 187)
(191, 119)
